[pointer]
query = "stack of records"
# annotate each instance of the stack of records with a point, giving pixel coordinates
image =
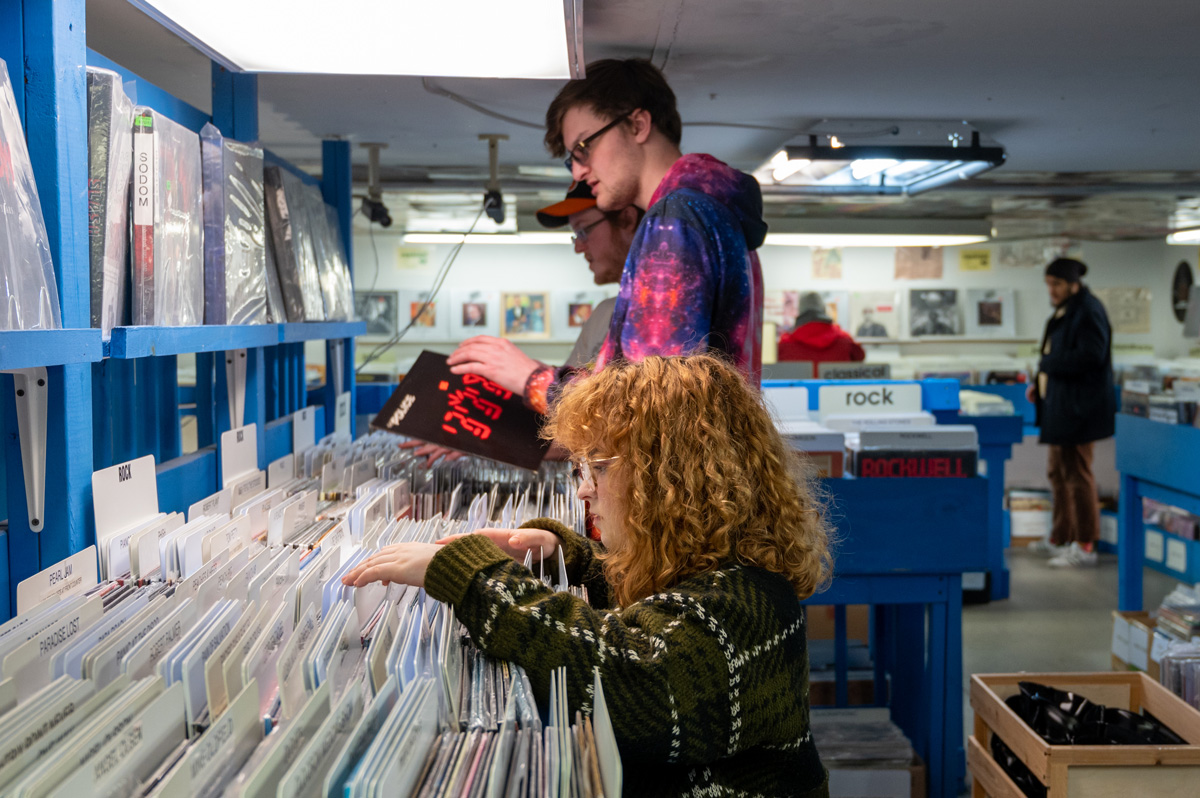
(26, 271)
(110, 164)
(237, 289)
(168, 252)
(946, 450)
(295, 257)
(1179, 614)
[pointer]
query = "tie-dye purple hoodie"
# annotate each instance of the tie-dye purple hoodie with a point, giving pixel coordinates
(692, 281)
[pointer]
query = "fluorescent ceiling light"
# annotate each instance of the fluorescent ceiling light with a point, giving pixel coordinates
(1185, 237)
(874, 157)
(477, 238)
(868, 167)
(783, 167)
(465, 38)
(832, 240)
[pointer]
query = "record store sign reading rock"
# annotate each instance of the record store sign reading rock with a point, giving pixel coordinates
(869, 399)
(464, 412)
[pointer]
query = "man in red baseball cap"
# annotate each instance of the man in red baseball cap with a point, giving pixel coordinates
(603, 238)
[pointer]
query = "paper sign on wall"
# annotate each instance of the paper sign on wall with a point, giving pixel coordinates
(975, 260)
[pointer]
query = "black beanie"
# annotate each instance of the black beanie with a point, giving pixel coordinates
(1067, 269)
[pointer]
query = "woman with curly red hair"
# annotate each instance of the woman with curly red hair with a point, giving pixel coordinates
(709, 536)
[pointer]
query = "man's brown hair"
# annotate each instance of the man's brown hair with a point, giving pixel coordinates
(612, 89)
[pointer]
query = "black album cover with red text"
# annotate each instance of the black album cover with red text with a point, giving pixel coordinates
(464, 412)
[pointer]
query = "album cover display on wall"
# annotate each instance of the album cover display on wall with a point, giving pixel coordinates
(837, 306)
(25, 266)
(781, 308)
(525, 315)
(110, 165)
(380, 310)
(571, 310)
(235, 260)
(991, 313)
(168, 232)
(874, 314)
(429, 316)
(934, 311)
(474, 313)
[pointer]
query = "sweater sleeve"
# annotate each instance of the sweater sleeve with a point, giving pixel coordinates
(664, 669)
(1084, 353)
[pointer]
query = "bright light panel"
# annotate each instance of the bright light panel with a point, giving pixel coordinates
(1184, 237)
(464, 38)
(833, 240)
(476, 238)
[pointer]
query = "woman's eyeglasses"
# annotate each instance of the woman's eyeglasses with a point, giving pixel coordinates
(586, 471)
(580, 152)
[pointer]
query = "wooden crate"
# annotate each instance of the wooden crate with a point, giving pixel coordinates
(1084, 771)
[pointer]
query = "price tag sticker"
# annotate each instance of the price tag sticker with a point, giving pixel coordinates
(341, 423)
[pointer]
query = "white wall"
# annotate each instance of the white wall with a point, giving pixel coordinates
(1147, 264)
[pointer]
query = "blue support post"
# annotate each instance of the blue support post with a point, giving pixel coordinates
(55, 87)
(170, 442)
(256, 399)
(145, 401)
(841, 657)
(235, 103)
(122, 409)
(1131, 545)
(206, 400)
(955, 745)
(336, 188)
(23, 559)
(102, 450)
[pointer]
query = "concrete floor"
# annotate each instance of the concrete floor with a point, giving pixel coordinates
(1055, 620)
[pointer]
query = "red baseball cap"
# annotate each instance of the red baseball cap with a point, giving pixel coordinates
(579, 198)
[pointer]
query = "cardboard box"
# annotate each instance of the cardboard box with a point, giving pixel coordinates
(882, 782)
(821, 623)
(1132, 642)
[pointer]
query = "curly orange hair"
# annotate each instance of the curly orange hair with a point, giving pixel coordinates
(710, 479)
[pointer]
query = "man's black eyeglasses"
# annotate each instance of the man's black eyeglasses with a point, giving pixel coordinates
(580, 153)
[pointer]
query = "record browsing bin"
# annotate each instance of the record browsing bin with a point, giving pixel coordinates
(1076, 771)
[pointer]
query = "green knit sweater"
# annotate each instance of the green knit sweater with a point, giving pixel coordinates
(707, 684)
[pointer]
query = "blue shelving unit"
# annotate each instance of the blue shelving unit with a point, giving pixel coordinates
(1160, 462)
(904, 545)
(115, 401)
(997, 434)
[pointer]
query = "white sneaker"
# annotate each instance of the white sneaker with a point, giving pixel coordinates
(1074, 556)
(1044, 546)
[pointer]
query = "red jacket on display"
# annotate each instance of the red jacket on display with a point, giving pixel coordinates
(820, 342)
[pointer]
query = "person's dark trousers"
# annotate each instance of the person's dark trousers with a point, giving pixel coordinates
(1076, 504)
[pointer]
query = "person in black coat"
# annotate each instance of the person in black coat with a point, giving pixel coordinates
(1076, 406)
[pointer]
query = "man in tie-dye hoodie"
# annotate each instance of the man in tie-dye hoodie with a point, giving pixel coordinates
(692, 280)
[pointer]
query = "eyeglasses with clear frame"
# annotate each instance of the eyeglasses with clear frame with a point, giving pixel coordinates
(581, 235)
(580, 152)
(586, 471)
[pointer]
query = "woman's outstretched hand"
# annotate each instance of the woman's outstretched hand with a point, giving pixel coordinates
(403, 563)
(515, 542)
